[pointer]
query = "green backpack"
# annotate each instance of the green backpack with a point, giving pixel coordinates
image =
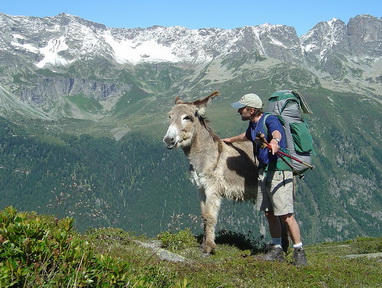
(289, 106)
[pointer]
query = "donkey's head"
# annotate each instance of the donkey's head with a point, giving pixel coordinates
(183, 119)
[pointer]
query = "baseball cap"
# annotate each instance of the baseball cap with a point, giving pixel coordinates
(251, 100)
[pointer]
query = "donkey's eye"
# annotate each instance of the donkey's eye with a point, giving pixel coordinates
(187, 118)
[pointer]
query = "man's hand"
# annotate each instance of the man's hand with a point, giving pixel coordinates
(274, 146)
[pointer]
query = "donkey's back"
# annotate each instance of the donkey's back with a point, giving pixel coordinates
(235, 175)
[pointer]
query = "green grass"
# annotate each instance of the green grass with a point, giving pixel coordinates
(42, 251)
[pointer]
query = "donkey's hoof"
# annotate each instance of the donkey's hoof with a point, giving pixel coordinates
(208, 249)
(206, 255)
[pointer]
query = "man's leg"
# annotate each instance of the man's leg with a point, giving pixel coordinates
(293, 227)
(294, 230)
(274, 224)
(275, 251)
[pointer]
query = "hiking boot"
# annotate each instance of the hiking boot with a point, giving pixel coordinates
(274, 253)
(299, 257)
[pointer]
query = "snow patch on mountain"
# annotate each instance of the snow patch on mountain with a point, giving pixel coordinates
(51, 51)
(135, 51)
(25, 47)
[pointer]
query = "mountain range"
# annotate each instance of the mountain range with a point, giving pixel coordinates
(68, 56)
(66, 75)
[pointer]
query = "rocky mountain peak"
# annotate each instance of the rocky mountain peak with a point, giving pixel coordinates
(365, 36)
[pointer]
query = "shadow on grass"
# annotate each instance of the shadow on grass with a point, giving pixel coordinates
(239, 240)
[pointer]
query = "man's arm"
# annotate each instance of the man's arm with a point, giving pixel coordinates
(238, 138)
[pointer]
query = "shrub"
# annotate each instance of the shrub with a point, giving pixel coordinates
(177, 241)
(38, 251)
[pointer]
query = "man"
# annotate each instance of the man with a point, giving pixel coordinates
(276, 183)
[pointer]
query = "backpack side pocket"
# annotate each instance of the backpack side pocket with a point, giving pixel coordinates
(302, 139)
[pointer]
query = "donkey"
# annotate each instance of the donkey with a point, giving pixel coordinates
(218, 169)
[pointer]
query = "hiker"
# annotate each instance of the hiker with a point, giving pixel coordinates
(276, 186)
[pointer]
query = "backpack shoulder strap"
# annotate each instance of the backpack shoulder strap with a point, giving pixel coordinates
(266, 114)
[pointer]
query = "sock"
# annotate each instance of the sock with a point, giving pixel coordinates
(298, 245)
(276, 242)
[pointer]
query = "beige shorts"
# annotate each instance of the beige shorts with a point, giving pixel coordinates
(276, 192)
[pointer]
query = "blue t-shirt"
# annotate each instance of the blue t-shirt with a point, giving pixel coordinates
(272, 123)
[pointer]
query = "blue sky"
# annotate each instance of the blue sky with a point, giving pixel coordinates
(194, 14)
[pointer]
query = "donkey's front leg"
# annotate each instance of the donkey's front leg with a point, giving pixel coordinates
(210, 206)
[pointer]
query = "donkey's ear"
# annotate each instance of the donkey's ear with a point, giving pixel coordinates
(205, 101)
(201, 104)
(178, 100)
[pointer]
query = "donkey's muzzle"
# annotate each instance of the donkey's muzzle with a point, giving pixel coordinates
(169, 141)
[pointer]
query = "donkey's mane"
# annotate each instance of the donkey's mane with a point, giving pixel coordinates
(214, 136)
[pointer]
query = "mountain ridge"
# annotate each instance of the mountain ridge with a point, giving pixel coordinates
(264, 38)
(66, 46)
